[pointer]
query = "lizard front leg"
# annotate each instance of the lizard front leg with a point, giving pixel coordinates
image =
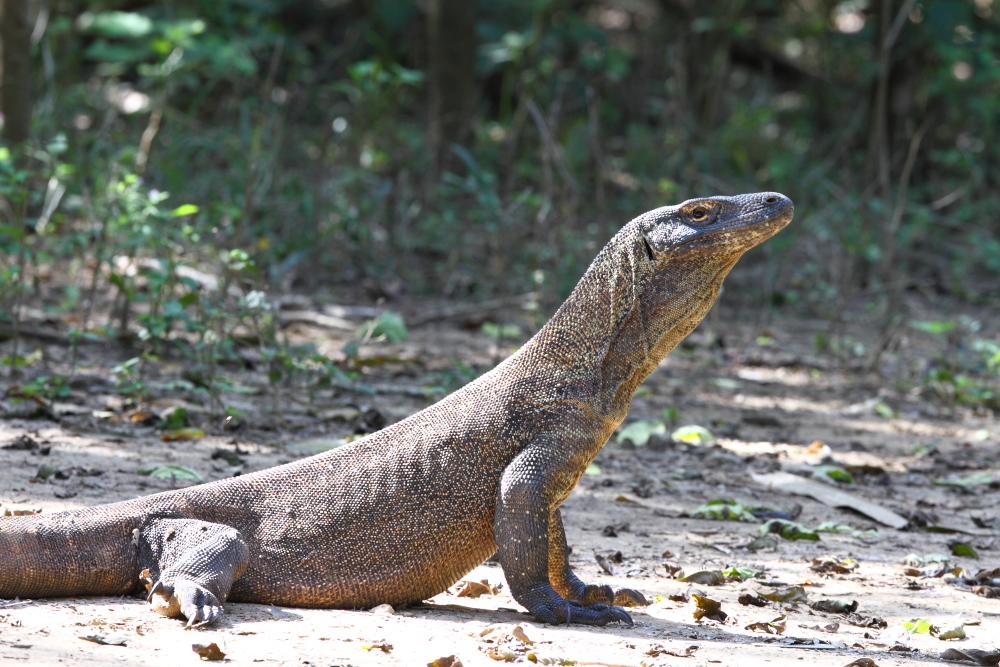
(566, 583)
(521, 526)
(193, 565)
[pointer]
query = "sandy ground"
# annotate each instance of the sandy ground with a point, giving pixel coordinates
(768, 404)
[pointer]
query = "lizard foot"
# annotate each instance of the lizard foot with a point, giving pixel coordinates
(188, 599)
(571, 611)
(624, 597)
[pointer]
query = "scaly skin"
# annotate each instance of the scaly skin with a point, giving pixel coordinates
(404, 513)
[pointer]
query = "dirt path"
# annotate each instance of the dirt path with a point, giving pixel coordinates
(768, 405)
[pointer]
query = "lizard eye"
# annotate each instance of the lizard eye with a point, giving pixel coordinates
(699, 214)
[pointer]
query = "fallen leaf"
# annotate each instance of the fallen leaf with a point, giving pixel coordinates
(763, 542)
(835, 606)
(533, 658)
(787, 594)
(447, 661)
(210, 652)
(829, 473)
(866, 621)
(963, 549)
(703, 577)
(693, 435)
(173, 472)
(775, 627)
(708, 608)
(110, 640)
(657, 650)
(383, 610)
(752, 599)
(833, 565)
(381, 644)
(789, 530)
(955, 632)
(826, 494)
(862, 662)
(473, 589)
(972, 655)
(723, 509)
(917, 626)
(183, 434)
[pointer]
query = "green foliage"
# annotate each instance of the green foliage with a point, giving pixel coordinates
(724, 509)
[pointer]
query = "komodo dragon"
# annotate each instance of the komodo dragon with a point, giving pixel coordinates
(400, 515)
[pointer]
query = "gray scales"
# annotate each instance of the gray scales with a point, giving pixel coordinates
(402, 514)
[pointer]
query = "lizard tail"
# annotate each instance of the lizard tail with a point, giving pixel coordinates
(77, 552)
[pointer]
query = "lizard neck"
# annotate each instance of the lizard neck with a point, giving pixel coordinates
(622, 319)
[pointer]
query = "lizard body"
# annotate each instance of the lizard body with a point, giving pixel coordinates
(402, 514)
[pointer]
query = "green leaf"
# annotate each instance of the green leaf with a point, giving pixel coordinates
(741, 573)
(693, 435)
(826, 473)
(976, 479)
(497, 331)
(170, 472)
(186, 209)
(592, 470)
(639, 432)
(914, 560)
(388, 324)
(917, 626)
(936, 328)
(789, 530)
(726, 383)
(963, 549)
(120, 24)
(723, 509)
(956, 632)
(175, 420)
(883, 410)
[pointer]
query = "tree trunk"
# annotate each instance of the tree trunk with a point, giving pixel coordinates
(15, 89)
(451, 78)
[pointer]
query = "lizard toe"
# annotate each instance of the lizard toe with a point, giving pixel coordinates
(566, 612)
(597, 594)
(626, 597)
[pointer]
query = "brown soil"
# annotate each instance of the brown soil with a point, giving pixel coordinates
(767, 399)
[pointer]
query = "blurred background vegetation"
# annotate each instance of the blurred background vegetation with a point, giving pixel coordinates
(474, 150)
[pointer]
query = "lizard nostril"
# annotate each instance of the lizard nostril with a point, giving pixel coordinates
(771, 200)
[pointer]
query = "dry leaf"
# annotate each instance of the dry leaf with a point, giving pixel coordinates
(972, 655)
(183, 434)
(447, 661)
(752, 599)
(862, 662)
(473, 589)
(210, 652)
(383, 610)
(656, 650)
(835, 606)
(786, 594)
(834, 565)
(775, 627)
(110, 640)
(381, 644)
(708, 608)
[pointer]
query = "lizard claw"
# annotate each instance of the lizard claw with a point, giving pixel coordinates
(186, 599)
(568, 612)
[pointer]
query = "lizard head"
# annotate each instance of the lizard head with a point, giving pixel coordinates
(723, 226)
